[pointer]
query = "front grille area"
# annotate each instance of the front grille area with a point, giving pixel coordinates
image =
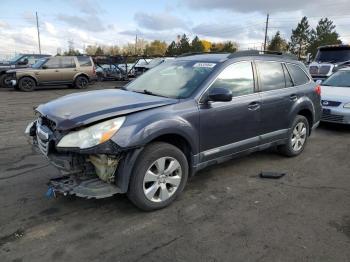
(330, 103)
(332, 118)
(47, 122)
(324, 70)
(313, 70)
(43, 134)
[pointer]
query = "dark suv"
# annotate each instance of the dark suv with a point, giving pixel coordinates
(174, 120)
(19, 61)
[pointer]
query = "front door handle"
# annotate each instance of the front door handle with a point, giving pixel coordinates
(293, 97)
(57, 70)
(254, 106)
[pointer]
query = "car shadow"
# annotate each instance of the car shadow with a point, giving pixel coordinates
(334, 127)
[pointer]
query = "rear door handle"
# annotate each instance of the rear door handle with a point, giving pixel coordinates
(57, 70)
(253, 106)
(293, 97)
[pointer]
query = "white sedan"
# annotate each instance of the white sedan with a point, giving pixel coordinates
(336, 97)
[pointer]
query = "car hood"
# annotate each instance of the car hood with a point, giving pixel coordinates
(80, 109)
(341, 94)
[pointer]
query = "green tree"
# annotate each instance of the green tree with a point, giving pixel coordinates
(172, 49)
(156, 48)
(229, 47)
(197, 45)
(277, 43)
(324, 34)
(184, 45)
(300, 38)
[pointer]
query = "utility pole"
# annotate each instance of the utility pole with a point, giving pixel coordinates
(37, 27)
(136, 45)
(267, 26)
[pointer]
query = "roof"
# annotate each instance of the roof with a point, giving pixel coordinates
(334, 47)
(206, 57)
(221, 57)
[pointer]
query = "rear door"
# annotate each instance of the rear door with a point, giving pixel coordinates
(278, 96)
(230, 127)
(68, 68)
(50, 72)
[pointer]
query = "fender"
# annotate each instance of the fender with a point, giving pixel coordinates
(141, 137)
(80, 74)
(303, 103)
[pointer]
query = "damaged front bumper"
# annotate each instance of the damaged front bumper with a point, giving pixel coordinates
(88, 173)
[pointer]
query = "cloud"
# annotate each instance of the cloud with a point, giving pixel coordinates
(90, 23)
(268, 5)
(87, 6)
(161, 21)
(151, 35)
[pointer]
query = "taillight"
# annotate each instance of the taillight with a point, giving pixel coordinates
(94, 70)
(318, 90)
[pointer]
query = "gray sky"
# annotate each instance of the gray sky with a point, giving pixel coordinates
(116, 22)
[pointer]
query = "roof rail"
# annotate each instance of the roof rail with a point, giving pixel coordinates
(261, 53)
(200, 53)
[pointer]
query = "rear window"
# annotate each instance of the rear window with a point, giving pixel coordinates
(84, 60)
(298, 75)
(68, 62)
(271, 75)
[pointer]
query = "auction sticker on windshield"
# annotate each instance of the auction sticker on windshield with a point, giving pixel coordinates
(206, 65)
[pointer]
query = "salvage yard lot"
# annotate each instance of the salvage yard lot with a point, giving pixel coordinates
(226, 213)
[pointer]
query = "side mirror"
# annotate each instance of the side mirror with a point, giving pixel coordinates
(44, 67)
(24, 62)
(319, 81)
(219, 94)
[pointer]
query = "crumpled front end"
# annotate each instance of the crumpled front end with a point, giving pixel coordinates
(89, 173)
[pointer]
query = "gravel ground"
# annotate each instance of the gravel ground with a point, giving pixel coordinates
(226, 213)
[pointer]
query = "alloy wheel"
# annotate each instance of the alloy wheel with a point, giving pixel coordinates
(299, 136)
(162, 179)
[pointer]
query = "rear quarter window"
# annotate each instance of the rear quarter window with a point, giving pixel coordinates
(298, 74)
(84, 60)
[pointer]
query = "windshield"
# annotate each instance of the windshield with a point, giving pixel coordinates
(340, 78)
(175, 79)
(39, 63)
(333, 55)
(15, 58)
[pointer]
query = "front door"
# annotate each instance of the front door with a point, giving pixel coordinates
(50, 72)
(229, 127)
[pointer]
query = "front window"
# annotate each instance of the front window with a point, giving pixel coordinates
(340, 78)
(176, 79)
(15, 58)
(238, 78)
(333, 55)
(39, 63)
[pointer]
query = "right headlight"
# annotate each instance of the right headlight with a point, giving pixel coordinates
(347, 105)
(92, 135)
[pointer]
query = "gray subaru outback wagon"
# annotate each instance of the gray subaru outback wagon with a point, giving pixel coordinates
(179, 117)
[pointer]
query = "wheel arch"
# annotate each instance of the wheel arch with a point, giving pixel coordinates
(29, 76)
(81, 74)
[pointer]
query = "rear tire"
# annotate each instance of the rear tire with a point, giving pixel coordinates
(26, 84)
(159, 176)
(297, 137)
(81, 82)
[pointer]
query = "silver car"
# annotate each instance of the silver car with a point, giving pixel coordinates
(336, 97)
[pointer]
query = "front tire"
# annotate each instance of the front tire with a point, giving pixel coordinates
(3, 81)
(26, 84)
(159, 176)
(297, 137)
